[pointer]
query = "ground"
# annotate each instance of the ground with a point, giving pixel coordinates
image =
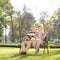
(13, 54)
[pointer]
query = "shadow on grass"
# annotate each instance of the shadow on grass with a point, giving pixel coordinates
(23, 56)
(15, 55)
(51, 53)
(55, 52)
(58, 58)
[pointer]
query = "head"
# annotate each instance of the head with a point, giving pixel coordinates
(33, 28)
(40, 27)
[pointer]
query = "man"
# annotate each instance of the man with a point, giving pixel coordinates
(26, 44)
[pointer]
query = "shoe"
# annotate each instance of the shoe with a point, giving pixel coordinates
(23, 53)
(37, 53)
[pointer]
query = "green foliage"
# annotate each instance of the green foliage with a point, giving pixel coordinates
(56, 23)
(2, 24)
(2, 1)
(1, 12)
(2, 17)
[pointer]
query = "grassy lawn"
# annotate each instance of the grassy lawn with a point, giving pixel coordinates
(13, 54)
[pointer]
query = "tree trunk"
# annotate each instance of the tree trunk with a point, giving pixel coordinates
(13, 39)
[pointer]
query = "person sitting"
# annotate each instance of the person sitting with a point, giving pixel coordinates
(39, 38)
(26, 44)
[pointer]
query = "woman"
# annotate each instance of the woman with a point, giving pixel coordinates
(39, 36)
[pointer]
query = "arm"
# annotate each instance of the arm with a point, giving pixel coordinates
(43, 36)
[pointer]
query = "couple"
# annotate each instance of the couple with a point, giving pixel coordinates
(35, 38)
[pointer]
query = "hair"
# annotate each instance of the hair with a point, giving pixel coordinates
(41, 25)
(32, 26)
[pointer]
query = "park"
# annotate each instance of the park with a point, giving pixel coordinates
(16, 19)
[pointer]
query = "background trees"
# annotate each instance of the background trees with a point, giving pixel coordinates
(56, 24)
(2, 16)
(20, 22)
(51, 24)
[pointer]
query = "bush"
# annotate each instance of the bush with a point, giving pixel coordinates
(17, 45)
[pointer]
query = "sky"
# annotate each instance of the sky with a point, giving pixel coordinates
(36, 6)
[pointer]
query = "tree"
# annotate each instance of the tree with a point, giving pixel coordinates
(9, 12)
(56, 23)
(25, 21)
(2, 17)
(43, 19)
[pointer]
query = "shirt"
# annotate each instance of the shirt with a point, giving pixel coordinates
(32, 35)
(41, 35)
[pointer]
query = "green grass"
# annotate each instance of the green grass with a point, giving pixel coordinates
(13, 54)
